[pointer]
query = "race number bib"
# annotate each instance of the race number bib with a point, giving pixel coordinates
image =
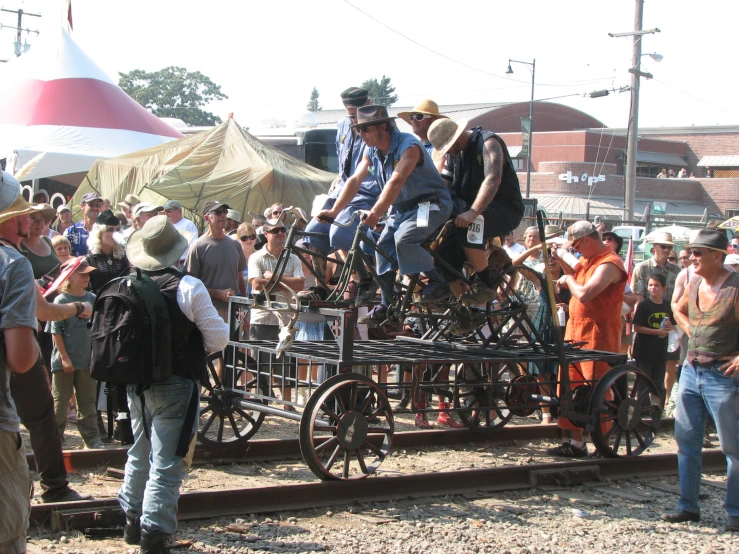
(422, 218)
(475, 230)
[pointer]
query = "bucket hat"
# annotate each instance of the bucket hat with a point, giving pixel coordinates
(662, 238)
(443, 133)
(130, 201)
(426, 107)
(157, 245)
(709, 238)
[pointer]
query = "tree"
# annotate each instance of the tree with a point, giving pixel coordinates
(382, 92)
(313, 104)
(174, 92)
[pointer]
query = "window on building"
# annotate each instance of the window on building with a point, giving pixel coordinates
(732, 213)
(519, 164)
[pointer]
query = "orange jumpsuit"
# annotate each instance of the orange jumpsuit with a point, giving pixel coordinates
(597, 323)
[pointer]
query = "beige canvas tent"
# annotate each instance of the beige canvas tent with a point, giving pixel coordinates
(225, 163)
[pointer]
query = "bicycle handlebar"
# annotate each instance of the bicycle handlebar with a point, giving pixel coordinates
(292, 210)
(358, 213)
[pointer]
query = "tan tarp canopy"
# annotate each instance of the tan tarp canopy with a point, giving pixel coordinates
(225, 163)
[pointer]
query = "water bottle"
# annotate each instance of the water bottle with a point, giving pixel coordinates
(665, 323)
(561, 316)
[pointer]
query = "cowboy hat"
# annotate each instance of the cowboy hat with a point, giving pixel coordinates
(12, 203)
(443, 133)
(372, 114)
(45, 209)
(662, 238)
(426, 107)
(157, 245)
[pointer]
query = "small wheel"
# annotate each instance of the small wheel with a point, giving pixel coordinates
(480, 395)
(518, 395)
(223, 422)
(347, 428)
(626, 418)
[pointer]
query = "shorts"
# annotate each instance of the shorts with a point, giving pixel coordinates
(499, 220)
(15, 493)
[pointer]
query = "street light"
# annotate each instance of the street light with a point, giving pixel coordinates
(509, 71)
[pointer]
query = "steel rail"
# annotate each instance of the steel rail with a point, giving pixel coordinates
(209, 504)
(277, 449)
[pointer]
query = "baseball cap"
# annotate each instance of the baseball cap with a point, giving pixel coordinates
(172, 204)
(90, 197)
(63, 208)
(578, 230)
(144, 207)
(731, 259)
(213, 205)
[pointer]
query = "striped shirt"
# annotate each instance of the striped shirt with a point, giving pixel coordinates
(261, 262)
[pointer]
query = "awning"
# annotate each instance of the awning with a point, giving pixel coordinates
(719, 161)
(661, 159)
(570, 206)
(514, 151)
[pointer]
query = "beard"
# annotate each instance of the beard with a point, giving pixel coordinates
(19, 230)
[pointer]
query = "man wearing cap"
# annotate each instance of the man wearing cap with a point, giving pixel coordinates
(233, 220)
(597, 288)
(64, 219)
(173, 211)
(350, 149)
(708, 312)
(217, 260)
(78, 233)
(420, 204)
(486, 192)
(663, 245)
(420, 119)
(156, 466)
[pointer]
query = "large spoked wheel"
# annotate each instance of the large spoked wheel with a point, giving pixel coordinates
(347, 428)
(481, 395)
(625, 402)
(223, 422)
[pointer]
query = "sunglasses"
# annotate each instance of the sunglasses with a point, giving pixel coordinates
(219, 211)
(275, 231)
(95, 204)
(665, 246)
(244, 238)
(418, 116)
(671, 259)
(696, 253)
(365, 128)
(734, 245)
(276, 213)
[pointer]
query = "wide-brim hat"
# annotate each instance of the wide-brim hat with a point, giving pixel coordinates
(662, 238)
(443, 133)
(45, 210)
(130, 201)
(372, 114)
(157, 245)
(619, 240)
(17, 208)
(272, 223)
(709, 238)
(426, 107)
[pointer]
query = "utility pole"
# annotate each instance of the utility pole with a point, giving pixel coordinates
(19, 28)
(633, 133)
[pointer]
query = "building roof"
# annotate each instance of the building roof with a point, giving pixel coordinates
(607, 206)
(719, 161)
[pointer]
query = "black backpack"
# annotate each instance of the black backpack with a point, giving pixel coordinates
(131, 331)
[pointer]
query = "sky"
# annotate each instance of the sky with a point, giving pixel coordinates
(268, 56)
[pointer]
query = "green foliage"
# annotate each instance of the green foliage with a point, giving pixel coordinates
(174, 92)
(313, 105)
(381, 92)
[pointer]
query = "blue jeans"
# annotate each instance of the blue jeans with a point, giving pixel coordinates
(703, 391)
(154, 474)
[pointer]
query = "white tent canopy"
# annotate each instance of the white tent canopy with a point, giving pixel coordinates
(59, 112)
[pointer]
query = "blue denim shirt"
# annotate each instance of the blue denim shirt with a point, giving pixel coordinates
(77, 237)
(423, 182)
(429, 149)
(369, 187)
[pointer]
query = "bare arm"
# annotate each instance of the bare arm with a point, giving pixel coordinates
(680, 311)
(63, 354)
(46, 311)
(295, 283)
(349, 191)
(605, 275)
(642, 330)
(493, 167)
(407, 163)
(680, 285)
(521, 258)
(21, 348)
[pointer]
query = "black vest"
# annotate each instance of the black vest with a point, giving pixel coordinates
(188, 351)
(469, 173)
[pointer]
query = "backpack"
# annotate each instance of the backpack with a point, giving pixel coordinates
(131, 332)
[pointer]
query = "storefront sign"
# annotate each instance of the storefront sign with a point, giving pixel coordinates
(569, 178)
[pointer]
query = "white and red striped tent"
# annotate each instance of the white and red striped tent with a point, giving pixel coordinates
(59, 112)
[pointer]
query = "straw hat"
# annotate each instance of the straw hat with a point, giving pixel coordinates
(157, 245)
(130, 201)
(12, 203)
(443, 133)
(662, 238)
(427, 107)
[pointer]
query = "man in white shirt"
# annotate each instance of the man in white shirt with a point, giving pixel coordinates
(512, 248)
(188, 229)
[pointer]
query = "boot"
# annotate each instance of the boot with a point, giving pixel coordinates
(132, 530)
(446, 419)
(124, 431)
(154, 542)
(422, 421)
(404, 400)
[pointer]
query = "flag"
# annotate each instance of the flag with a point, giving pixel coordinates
(629, 270)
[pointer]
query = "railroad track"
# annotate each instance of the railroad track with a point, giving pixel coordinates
(280, 449)
(209, 504)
